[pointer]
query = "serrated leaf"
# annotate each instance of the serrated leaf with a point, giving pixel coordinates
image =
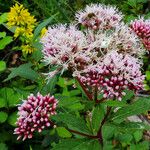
(97, 116)
(24, 71)
(138, 107)
(2, 66)
(3, 117)
(72, 121)
(12, 119)
(5, 41)
(63, 132)
(77, 144)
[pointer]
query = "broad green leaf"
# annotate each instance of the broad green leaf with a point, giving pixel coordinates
(3, 117)
(2, 66)
(97, 117)
(3, 103)
(77, 144)
(42, 25)
(2, 34)
(139, 106)
(115, 103)
(3, 18)
(63, 132)
(24, 71)
(124, 138)
(12, 119)
(3, 146)
(72, 121)
(5, 41)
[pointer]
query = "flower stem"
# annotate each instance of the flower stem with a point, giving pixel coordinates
(83, 134)
(84, 89)
(99, 133)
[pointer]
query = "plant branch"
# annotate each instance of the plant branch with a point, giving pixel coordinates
(84, 89)
(82, 134)
(99, 134)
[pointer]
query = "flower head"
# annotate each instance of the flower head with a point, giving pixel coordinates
(61, 45)
(19, 16)
(27, 49)
(142, 28)
(114, 74)
(34, 115)
(99, 17)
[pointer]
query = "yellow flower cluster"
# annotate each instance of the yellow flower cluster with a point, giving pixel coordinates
(21, 18)
(27, 49)
(24, 23)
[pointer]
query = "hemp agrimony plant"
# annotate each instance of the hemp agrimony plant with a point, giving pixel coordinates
(103, 56)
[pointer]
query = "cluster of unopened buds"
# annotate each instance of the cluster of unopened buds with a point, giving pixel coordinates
(34, 115)
(142, 28)
(114, 74)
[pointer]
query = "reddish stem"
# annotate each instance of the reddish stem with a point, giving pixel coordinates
(83, 134)
(84, 89)
(99, 134)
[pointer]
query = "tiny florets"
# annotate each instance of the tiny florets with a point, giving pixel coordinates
(142, 28)
(34, 115)
(114, 74)
(99, 17)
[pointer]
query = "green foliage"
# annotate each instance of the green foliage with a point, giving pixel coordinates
(24, 71)
(3, 117)
(2, 66)
(63, 132)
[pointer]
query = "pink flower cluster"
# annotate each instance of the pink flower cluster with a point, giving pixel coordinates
(142, 29)
(99, 17)
(34, 115)
(114, 74)
(61, 43)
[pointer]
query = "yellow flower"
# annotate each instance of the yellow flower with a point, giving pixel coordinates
(27, 49)
(19, 16)
(43, 31)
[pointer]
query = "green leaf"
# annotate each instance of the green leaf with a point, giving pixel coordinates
(77, 144)
(12, 119)
(63, 132)
(3, 117)
(125, 138)
(3, 146)
(148, 75)
(3, 18)
(97, 116)
(139, 106)
(115, 103)
(49, 87)
(71, 103)
(24, 71)
(11, 97)
(138, 135)
(2, 34)
(72, 121)
(2, 66)
(42, 25)
(5, 41)
(3, 103)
